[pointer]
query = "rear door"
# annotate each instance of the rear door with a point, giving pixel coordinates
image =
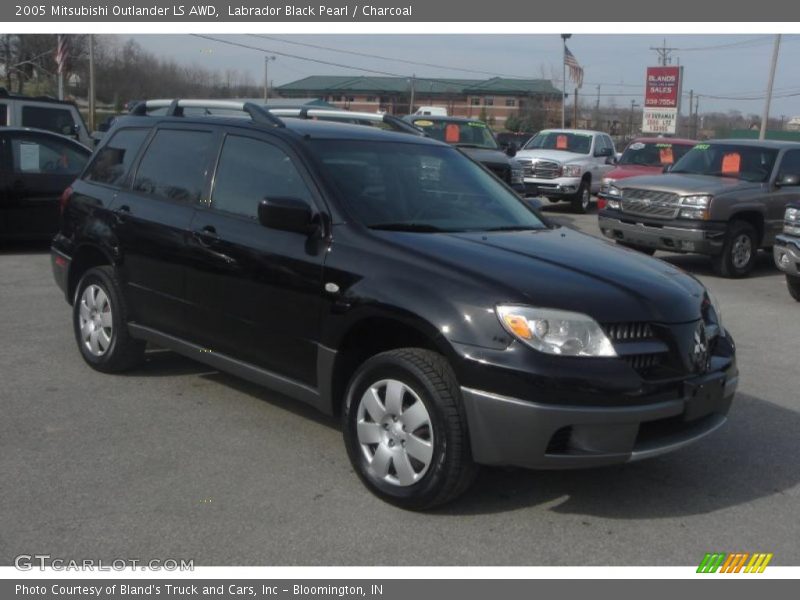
(256, 293)
(39, 168)
(152, 218)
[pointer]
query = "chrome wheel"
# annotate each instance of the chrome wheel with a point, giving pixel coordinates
(94, 320)
(741, 251)
(395, 433)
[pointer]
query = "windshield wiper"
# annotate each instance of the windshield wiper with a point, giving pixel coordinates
(417, 227)
(512, 228)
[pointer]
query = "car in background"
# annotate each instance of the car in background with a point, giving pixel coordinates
(567, 164)
(475, 139)
(725, 199)
(42, 112)
(786, 250)
(35, 168)
(644, 156)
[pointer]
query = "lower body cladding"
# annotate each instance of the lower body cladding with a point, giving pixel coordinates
(786, 252)
(663, 236)
(601, 424)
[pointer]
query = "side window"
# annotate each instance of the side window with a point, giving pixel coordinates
(174, 165)
(58, 120)
(609, 143)
(599, 144)
(790, 165)
(3, 114)
(35, 154)
(114, 159)
(250, 170)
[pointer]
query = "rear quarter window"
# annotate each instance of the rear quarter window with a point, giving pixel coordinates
(57, 120)
(40, 155)
(115, 158)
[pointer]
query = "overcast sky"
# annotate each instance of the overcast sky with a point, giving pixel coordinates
(734, 66)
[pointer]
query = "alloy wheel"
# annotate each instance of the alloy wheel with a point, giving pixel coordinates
(95, 320)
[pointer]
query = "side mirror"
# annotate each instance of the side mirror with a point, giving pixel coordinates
(611, 160)
(788, 180)
(286, 214)
(511, 150)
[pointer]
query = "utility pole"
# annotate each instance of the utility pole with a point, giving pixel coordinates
(691, 120)
(564, 38)
(765, 117)
(575, 110)
(92, 92)
(267, 58)
(664, 54)
(630, 119)
(411, 102)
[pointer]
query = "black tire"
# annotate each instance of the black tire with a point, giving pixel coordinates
(737, 260)
(793, 283)
(450, 470)
(582, 200)
(121, 352)
(642, 249)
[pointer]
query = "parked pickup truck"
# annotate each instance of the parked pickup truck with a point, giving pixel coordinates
(567, 164)
(724, 199)
(787, 249)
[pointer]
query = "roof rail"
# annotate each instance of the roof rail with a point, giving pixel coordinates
(175, 109)
(338, 115)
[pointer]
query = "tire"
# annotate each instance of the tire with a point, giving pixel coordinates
(793, 283)
(99, 319)
(739, 253)
(582, 200)
(404, 399)
(642, 249)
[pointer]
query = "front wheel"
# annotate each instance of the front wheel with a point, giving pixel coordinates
(100, 325)
(405, 429)
(582, 200)
(793, 283)
(739, 253)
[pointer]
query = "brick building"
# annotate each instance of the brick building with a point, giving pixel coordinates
(495, 99)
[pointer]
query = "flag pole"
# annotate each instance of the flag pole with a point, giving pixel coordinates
(564, 38)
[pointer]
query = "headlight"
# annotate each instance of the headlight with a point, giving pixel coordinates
(696, 207)
(613, 204)
(555, 331)
(792, 216)
(712, 299)
(571, 171)
(605, 183)
(613, 190)
(516, 174)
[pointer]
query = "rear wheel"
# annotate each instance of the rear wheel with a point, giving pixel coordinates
(739, 253)
(642, 249)
(100, 325)
(405, 430)
(582, 200)
(793, 283)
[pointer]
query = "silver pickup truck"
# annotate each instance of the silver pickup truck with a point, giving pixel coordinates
(567, 164)
(725, 199)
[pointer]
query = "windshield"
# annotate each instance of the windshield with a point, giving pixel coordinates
(580, 143)
(475, 134)
(653, 154)
(748, 163)
(420, 187)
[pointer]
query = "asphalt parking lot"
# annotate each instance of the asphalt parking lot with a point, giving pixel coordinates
(176, 461)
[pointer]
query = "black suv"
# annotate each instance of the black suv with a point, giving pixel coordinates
(390, 279)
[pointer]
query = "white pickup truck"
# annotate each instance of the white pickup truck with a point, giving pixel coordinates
(567, 164)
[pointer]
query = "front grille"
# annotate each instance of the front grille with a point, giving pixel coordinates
(541, 169)
(648, 203)
(641, 362)
(628, 332)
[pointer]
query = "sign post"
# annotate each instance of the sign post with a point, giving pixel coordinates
(662, 100)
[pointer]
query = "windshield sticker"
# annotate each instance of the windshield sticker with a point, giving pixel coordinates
(731, 163)
(702, 147)
(663, 145)
(476, 124)
(637, 146)
(423, 123)
(561, 142)
(665, 156)
(29, 157)
(452, 133)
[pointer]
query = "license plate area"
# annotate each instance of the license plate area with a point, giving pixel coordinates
(703, 397)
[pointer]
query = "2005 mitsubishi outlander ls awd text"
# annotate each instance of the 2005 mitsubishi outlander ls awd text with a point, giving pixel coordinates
(388, 278)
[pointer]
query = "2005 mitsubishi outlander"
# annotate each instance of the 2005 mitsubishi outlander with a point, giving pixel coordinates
(388, 278)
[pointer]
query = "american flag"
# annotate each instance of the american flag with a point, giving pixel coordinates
(62, 53)
(575, 70)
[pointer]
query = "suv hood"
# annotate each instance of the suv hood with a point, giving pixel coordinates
(486, 155)
(559, 156)
(562, 268)
(625, 171)
(680, 183)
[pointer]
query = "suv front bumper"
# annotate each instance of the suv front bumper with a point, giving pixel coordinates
(786, 252)
(559, 188)
(672, 236)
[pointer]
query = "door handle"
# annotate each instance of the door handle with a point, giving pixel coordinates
(206, 235)
(121, 212)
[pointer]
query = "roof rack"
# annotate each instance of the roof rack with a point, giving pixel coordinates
(347, 115)
(175, 109)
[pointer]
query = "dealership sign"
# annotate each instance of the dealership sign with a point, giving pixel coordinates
(662, 100)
